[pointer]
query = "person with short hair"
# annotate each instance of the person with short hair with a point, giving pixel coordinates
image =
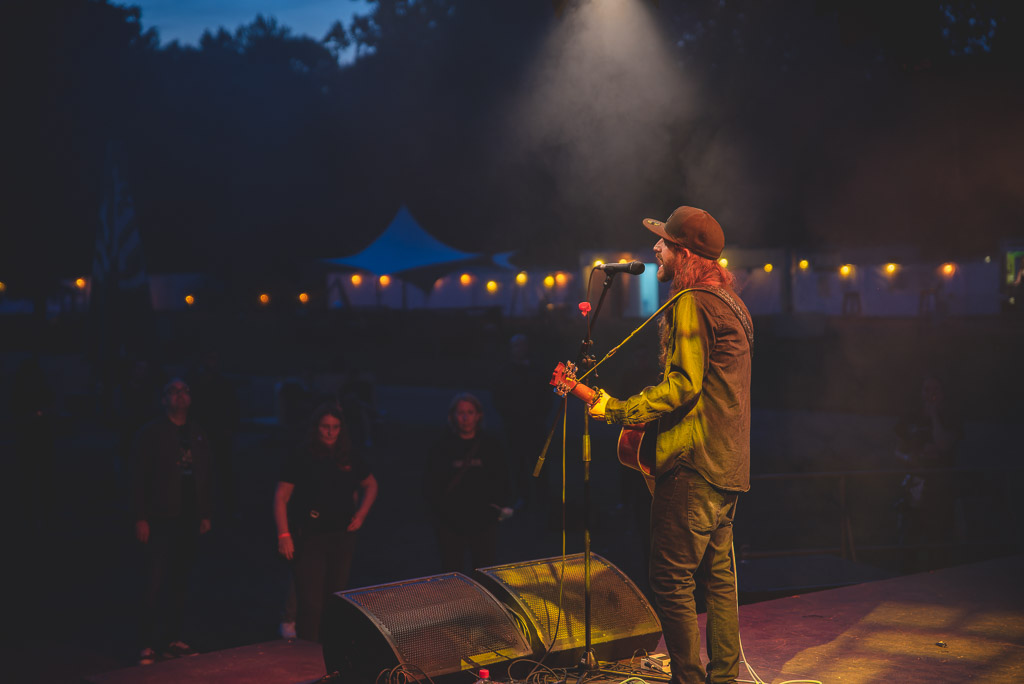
(466, 486)
(171, 495)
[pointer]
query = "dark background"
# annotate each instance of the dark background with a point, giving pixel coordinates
(503, 125)
(506, 125)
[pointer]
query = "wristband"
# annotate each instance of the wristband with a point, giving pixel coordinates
(282, 536)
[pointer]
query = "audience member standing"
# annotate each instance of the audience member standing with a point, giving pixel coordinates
(467, 487)
(324, 494)
(928, 437)
(171, 488)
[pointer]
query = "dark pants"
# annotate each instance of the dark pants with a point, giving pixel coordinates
(481, 544)
(691, 538)
(170, 554)
(322, 564)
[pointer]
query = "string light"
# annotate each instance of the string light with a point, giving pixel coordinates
(492, 286)
(804, 264)
(80, 283)
(264, 299)
(891, 268)
(948, 269)
(723, 262)
(304, 297)
(521, 278)
(549, 281)
(845, 270)
(384, 280)
(561, 278)
(465, 279)
(356, 279)
(190, 300)
(768, 268)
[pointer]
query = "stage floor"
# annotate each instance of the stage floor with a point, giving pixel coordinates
(959, 624)
(955, 625)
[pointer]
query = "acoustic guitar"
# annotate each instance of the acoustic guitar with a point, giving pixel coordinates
(636, 445)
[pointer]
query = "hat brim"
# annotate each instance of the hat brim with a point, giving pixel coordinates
(658, 228)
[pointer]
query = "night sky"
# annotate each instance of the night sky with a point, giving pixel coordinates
(185, 20)
(509, 126)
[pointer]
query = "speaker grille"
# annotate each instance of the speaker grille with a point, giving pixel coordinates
(622, 620)
(440, 624)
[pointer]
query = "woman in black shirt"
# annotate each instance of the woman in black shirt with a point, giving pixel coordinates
(323, 496)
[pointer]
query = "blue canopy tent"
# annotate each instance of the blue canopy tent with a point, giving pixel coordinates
(407, 251)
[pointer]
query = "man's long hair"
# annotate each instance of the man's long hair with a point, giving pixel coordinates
(690, 271)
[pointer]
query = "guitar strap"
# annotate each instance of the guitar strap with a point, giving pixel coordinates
(719, 292)
(724, 295)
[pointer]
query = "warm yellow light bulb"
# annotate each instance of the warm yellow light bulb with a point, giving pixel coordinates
(723, 262)
(384, 280)
(521, 278)
(3, 286)
(948, 269)
(549, 281)
(190, 300)
(804, 264)
(465, 279)
(356, 279)
(845, 270)
(492, 286)
(304, 297)
(561, 278)
(598, 262)
(890, 268)
(264, 299)
(80, 283)
(768, 268)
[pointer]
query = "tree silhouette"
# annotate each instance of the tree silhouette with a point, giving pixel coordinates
(257, 150)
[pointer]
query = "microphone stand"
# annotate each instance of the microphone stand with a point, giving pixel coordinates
(588, 663)
(585, 361)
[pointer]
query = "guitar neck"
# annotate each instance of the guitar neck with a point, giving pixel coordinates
(586, 394)
(563, 379)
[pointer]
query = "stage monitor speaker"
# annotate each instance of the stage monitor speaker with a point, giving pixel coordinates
(622, 621)
(436, 626)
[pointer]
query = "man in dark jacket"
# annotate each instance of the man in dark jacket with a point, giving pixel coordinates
(171, 492)
(702, 409)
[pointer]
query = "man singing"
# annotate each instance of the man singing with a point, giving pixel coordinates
(702, 406)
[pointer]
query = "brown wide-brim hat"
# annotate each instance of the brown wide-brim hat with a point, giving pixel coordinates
(693, 228)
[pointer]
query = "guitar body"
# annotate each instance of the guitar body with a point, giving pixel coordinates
(636, 447)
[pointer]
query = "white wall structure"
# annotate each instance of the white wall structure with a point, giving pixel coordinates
(773, 281)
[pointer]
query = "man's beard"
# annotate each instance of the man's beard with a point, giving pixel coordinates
(677, 274)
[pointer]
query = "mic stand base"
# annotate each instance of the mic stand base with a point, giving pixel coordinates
(588, 663)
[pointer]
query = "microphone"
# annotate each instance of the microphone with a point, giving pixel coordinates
(632, 268)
